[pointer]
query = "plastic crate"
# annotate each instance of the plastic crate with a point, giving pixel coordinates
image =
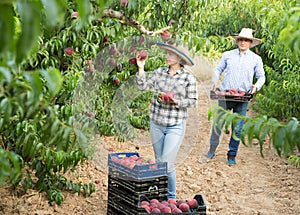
(133, 199)
(200, 210)
(247, 97)
(120, 203)
(138, 187)
(121, 208)
(138, 171)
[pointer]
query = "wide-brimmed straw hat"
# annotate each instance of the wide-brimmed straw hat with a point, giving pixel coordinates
(247, 33)
(178, 50)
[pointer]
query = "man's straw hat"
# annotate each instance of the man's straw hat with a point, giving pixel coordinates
(247, 34)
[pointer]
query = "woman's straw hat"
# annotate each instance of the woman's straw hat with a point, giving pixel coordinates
(178, 50)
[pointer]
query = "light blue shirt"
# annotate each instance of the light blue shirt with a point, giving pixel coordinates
(239, 70)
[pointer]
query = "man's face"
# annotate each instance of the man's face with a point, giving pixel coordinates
(244, 44)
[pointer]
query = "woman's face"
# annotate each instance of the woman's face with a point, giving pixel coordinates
(172, 59)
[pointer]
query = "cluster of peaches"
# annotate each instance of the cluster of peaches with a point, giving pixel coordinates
(154, 206)
(232, 92)
(132, 161)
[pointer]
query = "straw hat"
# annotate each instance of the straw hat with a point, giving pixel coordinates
(178, 50)
(247, 34)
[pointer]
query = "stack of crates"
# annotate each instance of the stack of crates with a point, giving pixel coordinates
(128, 186)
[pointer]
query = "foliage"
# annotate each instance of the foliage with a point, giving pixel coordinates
(284, 136)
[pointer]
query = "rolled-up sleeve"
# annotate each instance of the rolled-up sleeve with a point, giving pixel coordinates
(191, 98)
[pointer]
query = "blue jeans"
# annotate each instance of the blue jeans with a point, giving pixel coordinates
(166, 142)
(236, 107)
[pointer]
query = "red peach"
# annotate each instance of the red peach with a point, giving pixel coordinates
(69, 51)
(172, 201)
(176, 210)
(165, 35)
(132, 61)
(143, 54)
(124, 3)
(192, 203)
(75, 15)
(166, 210)
(116, 81)
(112, 62)
(155, 211)
(184, 207)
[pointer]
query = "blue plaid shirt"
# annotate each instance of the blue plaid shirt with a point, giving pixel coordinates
(184, 86)
(239, 70)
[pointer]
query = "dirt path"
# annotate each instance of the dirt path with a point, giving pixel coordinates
(256, 185)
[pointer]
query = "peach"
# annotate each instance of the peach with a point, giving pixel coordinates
(176, 210)
(192, 203)
(166, 209)
(143, 54)
(184, 207)
(172, 201)
(155, 211)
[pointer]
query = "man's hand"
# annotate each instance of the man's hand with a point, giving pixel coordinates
(253, 90)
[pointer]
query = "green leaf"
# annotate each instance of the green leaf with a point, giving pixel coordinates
(7, 26)
(278, 139)
(53, 80)
(54, 11)
(30, 17)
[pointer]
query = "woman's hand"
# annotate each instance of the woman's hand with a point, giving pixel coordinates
(140, 62)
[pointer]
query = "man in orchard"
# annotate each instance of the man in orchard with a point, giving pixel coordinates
(239, 66)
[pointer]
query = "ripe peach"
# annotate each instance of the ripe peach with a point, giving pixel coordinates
(180, 201)
(172, 201)
(69, 51)
(172, 206)
(165, 35)
(116, 81)
(184, 207)
(75, 15)
(112, 50)
(141, 39)
(166, 210)
(143, 54)
(144, 202)
(192, 203)
(164, 203)
(132, 49)
(176, 210)
(124, 3)
(112, 62)
(155, 211)
(154, 201)
(147, 208)
(132, 61)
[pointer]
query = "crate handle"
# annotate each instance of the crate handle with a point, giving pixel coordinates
(153, 188)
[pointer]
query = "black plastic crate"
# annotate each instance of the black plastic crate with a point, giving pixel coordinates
(200, 210)
(133, 199)
(137, 171)
(236, 98)
(121, 208)
(138, 187)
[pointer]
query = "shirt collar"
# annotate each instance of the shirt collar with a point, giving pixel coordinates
(177, 72)
(245, 53)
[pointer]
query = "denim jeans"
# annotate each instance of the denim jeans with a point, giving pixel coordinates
(166, 142)
(236, 107)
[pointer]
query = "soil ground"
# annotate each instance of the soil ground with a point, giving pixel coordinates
(256, 185)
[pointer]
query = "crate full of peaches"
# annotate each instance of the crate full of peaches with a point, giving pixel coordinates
(132, 165)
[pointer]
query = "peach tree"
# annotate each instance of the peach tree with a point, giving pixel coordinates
(50, 49)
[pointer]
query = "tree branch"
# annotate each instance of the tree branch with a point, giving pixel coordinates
(133, 23)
